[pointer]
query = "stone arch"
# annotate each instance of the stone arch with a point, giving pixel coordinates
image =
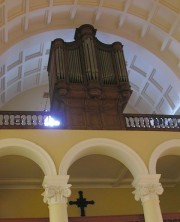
(30, 150)
(170, 147)
(106, 147)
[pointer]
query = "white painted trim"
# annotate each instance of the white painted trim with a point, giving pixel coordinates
(22, 147)
(107, 147)
(170, 147)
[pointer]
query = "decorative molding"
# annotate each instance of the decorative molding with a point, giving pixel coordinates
(35, 69)
(35, 54)
(2, 85)
(101, 182)
(146, 96)
(15, 79)
(20, 183)
(147, 188)
(158, 107)
(16, 63)
(137, 69)
(168, 98)
(56, 189)
(2, 70)
(154, 82)
(2, 98)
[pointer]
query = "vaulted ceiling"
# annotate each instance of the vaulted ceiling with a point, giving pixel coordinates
(148, 29)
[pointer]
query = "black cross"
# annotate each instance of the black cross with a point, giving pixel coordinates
(81, 203)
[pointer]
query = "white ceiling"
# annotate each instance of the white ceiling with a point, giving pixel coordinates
(150, 33)
(148, 29)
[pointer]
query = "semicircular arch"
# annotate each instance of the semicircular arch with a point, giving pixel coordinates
(108, 147)
(170, 147)
(30, 150)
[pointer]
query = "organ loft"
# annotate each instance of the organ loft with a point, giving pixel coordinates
(88, 82)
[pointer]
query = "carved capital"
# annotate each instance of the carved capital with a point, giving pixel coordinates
(56, 189)
(147, 188)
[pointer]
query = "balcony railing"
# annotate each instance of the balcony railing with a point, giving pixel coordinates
(152, 122)
(23, 119)
(38, 120)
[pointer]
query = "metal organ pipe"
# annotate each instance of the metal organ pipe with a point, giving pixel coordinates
(74, 66)
(90, 59)
(120, 64)
(59, 58)
(123, 68)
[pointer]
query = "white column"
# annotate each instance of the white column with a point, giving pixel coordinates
(148, 189)
(55, 195)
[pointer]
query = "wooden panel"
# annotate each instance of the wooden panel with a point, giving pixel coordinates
(87, 82)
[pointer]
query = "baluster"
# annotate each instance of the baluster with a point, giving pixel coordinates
(6, 120)
(127, 122)
(34, 120)
(156, 123)
(171, 125)
(41, 120)
(147, 122)
(166, 122)
(178, 123)
(136, 121)
(28, 120)
(151, 121)
(175, 122)
(1, 119)
(142, 122)
(132, 122)
(23, 120)
(12, 120)
(161, 122)
(17, 120)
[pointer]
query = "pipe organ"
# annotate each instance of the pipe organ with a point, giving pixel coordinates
(88, 82)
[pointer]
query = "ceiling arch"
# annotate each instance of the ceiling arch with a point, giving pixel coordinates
(149, 32)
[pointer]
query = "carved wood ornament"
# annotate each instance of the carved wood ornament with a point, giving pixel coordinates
(88, 82)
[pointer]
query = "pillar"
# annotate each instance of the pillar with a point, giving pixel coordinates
(55, 195)
(148, 189)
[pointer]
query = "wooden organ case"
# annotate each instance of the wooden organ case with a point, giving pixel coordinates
(88, 82)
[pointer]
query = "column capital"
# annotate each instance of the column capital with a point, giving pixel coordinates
(56, 188)
(147, 187)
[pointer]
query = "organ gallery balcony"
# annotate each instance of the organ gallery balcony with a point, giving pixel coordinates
(47, 120)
